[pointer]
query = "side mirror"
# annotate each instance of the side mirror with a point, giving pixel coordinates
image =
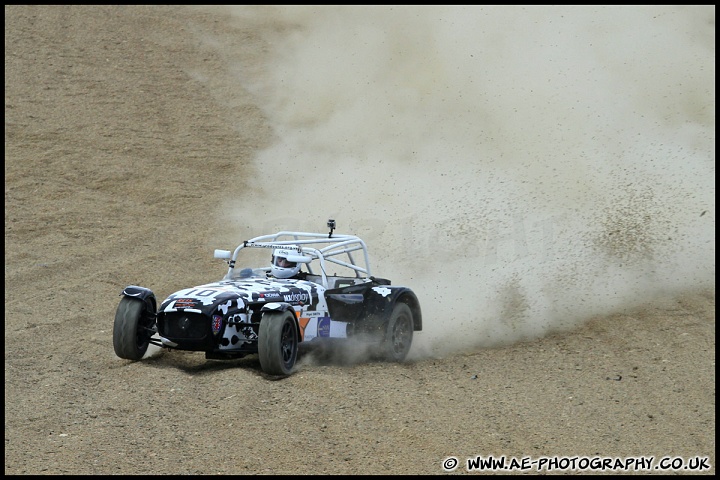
(226, 254)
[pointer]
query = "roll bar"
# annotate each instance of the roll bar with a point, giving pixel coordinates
(317, 246)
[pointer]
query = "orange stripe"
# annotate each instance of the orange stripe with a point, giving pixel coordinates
(303, 323)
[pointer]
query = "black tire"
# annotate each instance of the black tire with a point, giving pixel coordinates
(132, 329)
(278, 342)
(398, 334)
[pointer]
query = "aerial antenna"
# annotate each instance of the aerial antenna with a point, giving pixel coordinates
(331, 226)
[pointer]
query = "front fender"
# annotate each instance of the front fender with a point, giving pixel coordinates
(282, 307)
(141, 293)
(277, 307)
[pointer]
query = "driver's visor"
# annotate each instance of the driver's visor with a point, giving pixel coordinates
(282, 262)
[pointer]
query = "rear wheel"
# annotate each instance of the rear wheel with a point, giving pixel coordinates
(398, 334)
(278, 342)
(132, 329)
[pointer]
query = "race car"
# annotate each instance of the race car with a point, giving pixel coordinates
(272, 311)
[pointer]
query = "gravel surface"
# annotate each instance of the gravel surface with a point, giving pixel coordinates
(123, 127)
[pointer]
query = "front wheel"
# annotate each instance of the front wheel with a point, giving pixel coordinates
(278, 342)
(398, 334)
(132, 329)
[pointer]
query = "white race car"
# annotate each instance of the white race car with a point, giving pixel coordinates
(272, 310)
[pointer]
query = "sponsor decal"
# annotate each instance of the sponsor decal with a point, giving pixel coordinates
(294, 248)
(216, 324)
(296, 297)
(323, 327)
(185, 303)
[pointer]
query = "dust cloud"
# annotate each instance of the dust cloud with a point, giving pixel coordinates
(521, 168)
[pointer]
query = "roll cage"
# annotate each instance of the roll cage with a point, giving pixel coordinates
(321, 248)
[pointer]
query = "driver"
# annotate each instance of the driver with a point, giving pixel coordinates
(281, 267)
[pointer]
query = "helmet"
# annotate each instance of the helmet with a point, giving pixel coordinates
(281, 267)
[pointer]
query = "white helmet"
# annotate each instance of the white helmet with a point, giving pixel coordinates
(281, 267)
